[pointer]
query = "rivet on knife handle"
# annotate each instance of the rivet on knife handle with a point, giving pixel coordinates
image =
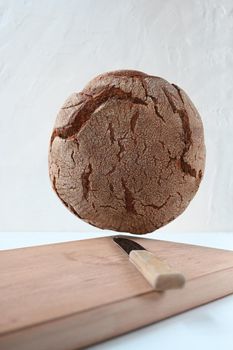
(157, 272)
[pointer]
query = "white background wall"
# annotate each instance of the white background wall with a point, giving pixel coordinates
(51, 48)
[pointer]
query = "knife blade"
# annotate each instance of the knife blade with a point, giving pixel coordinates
(156, 271)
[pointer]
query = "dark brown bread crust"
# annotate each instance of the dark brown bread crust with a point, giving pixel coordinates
(127, 153)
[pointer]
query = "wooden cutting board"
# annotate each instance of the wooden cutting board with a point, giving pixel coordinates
(70, 295)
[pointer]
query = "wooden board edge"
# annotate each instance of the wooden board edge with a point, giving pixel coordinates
(137, 238)
(93, 326)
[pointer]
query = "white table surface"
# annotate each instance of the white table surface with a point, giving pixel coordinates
(206, 327)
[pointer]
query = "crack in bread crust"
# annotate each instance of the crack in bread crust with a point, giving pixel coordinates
(186, 167)
(78, 119)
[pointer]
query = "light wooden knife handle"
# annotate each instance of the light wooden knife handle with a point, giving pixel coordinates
(158, 273)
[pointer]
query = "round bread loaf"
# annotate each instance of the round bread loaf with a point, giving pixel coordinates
(127, 153)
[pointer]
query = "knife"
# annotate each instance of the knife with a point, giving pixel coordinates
(156, 271)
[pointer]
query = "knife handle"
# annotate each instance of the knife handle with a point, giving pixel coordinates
(157, 272)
